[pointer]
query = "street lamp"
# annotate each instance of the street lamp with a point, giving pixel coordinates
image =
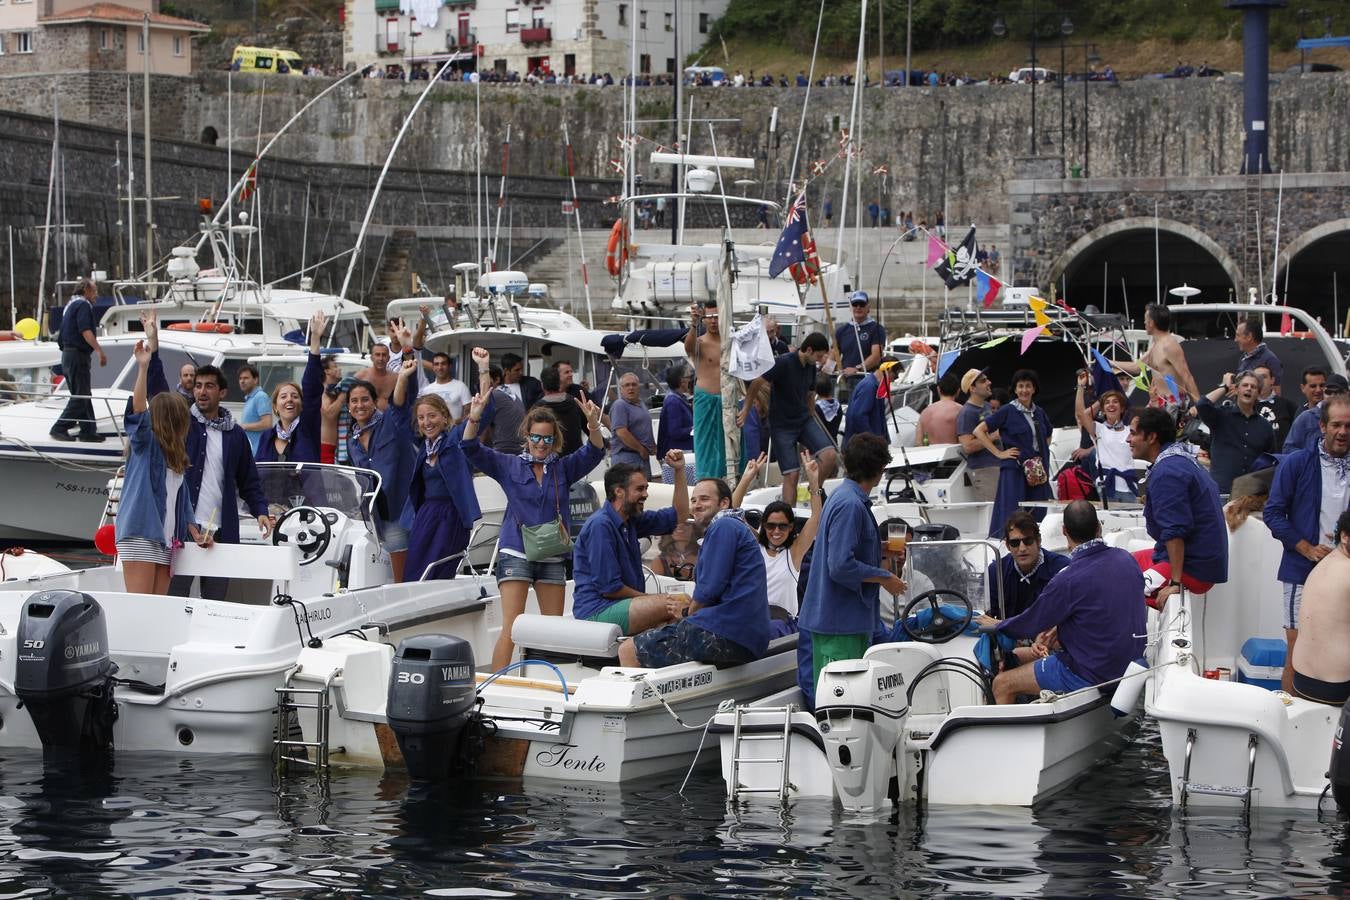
(1000, 29)
(1090, 58)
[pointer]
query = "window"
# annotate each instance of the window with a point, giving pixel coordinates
(140, 42)
(2, 45)
(670, 21)
(645, 64)
(703, 20)
(623, 13)
(103, 39)
(177, 46)
(23, 42)
(670, 65)
(642, 19)
(537, 17)
(512, 21)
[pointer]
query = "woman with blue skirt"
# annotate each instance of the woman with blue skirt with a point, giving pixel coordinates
(442, 507)
(1024, 429)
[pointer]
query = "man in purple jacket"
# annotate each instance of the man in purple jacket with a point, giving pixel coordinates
(1088, 623)
(1310, 490)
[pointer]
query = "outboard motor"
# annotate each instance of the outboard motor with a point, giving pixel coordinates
(861, 707)
(431, 699)
(1339, 771)
(63, 673)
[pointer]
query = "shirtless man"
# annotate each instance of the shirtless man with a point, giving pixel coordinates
(705, 352)
(378, 374)
(334, 402)
(1164, 357)
(1321, 661)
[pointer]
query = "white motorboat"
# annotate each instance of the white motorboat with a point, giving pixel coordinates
(921, 712)
(199, 676)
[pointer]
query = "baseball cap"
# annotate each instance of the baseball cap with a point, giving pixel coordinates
(968, 380)
(1336, 384)
(859, 298)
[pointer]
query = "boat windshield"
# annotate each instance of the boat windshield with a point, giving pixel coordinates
(651, 375)
(955, 565)
(347, 490)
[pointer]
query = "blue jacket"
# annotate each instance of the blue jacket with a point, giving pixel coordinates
(1018, 593)
(1182, 501)
(140, 513)
(1095, 603)
(1306, 430)
(866, 413)
(528, 501)
(731, 587)
(77, 318)
(304, 447)
(607, 556)
(1013, 431)
(1294, 511)
(837, 600)
(239, 472)
(453, 468)
(675, 431)
(390, 454)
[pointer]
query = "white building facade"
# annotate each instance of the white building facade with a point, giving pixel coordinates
(566, 37)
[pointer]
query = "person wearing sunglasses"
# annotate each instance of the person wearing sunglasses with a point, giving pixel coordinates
(536, 483)
(1017, 579)
(782, 550)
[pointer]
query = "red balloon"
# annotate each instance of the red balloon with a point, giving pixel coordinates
(105, 539)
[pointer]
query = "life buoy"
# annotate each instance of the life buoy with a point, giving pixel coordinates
(203, 327)
(616, 252)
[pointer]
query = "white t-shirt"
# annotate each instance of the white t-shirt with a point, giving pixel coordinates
(1113, 451)
(514, 390)
(209, 507)
(1334, 498)
(781, 577)
(172, 482)
(454, 392)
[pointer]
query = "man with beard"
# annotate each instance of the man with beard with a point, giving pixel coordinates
(607, 561)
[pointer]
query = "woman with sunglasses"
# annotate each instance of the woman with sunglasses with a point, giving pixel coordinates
(1024, 468)
(381, 439)
(536, 483)
(783, 551)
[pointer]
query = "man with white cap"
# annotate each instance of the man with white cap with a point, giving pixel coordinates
(869, 404)
(981, 465)
(859, 342)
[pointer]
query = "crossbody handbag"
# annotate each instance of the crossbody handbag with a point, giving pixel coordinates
(549, 539)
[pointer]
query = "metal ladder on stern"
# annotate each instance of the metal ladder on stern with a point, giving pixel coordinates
(1231, 791)
(295, 700)
(735, 789)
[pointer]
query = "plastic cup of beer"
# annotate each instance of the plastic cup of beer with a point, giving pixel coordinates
(897, 535)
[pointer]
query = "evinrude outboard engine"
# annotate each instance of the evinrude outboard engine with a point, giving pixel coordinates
(1339, 771)
(431, 699)
(63, 673)
(861, 707)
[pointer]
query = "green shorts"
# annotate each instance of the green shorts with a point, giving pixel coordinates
(828, 648)
(615, 613)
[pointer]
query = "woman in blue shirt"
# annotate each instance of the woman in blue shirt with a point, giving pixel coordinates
(297, 409)
(675, 431)
(536, 483)
(381, 439)
(442, 506)
(155, 513)
(1024, 428)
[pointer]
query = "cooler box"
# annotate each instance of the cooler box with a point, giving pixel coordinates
(1262, 662)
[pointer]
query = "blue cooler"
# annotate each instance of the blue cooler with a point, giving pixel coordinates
(1262, 662)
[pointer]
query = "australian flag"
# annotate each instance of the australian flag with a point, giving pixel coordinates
(958, 265)
(795, 247)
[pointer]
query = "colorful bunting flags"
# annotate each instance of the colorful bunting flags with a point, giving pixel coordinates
(995, 342)
(1029, 337)
(1037, 304)
(1286, 325)
(936, 250)
(1102, 360)
(987, 287)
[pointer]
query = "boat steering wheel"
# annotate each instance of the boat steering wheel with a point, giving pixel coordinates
(308, 528)
(940, 629)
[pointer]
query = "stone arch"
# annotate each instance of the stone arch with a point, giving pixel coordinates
(210, 136)
(1146, 223)
(1308, 238)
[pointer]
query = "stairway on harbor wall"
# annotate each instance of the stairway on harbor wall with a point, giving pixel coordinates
(392, 277)
(910, 295)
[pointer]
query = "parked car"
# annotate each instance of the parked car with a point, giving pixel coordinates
(1025, 74)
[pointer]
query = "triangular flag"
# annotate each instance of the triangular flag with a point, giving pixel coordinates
(1172, 386)
(986, 287)
(995, 342)
(1141, 380)
(1102, 360)
(1036, 303)
(1029, 337)
(1286, 325)
(1040, 317)
(936, 250)
(945, 362)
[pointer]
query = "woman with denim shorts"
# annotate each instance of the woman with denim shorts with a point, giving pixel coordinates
(536, 483)
(381, 439)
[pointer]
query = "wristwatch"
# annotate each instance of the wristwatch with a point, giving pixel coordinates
(1174, 583)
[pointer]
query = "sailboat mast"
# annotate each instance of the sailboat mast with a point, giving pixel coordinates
(149, 191)
(131, 193)
(51, 187)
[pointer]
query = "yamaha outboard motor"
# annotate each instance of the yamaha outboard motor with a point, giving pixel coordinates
(1339, 771)
(63, 673)
(431, 700)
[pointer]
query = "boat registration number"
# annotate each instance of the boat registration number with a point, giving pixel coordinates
(677, 684)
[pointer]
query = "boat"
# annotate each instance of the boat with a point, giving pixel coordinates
(920, 711)
(196, 676)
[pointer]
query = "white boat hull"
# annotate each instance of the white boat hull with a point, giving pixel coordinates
(46, 500)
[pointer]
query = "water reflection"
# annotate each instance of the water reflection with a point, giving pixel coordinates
(223, 827)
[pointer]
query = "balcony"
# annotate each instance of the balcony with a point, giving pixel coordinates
(536, 35)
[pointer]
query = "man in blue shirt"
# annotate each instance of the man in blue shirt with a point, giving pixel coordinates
(981, 465)
(860, 341)
(1088, 623)
(78, 343)
(1238, 431)
(607, 562)
(869, 404)
(726, 622)
(1016, 580)
(1182, 513)
(256, 416)
(1255, 352)
(1307, 430)
(841, 608)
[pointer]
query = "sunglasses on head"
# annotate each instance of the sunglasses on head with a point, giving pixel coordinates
(1014, 543)
(777, 526)
(545, 439)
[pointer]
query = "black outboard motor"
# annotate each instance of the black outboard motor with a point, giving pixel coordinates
(1339, 771)
(63, 673)
(431, 699)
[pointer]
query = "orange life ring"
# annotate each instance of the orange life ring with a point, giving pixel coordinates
(616, 252)
(203, 327)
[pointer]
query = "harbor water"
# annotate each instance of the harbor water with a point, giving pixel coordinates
(226, 827)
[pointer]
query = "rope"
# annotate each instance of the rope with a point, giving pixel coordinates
(521, 664)
(68, 465)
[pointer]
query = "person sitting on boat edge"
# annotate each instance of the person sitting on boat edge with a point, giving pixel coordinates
(726, 622)
(297, 410)
(1320, 662)
(535, 481)
(841, 607)
(1088, 623)
(1310, 490)
(1182, 512)
(607, 562)
(783, 550)
(1025, 570)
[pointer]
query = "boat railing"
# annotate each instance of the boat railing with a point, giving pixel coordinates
(41, 406)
